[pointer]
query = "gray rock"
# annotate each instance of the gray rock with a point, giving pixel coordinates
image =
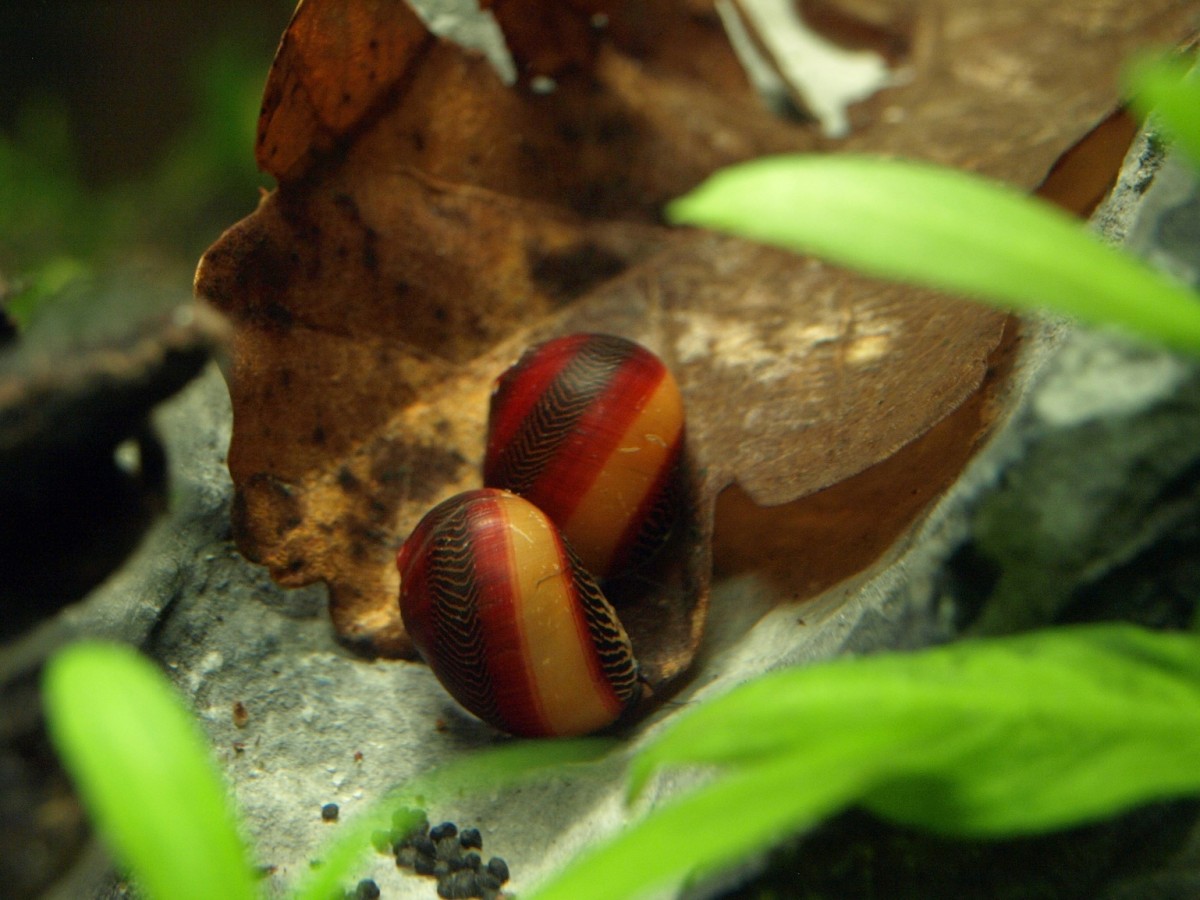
(1107, 469)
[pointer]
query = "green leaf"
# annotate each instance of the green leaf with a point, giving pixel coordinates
(43, 287)
(945, 229)
(1108, 718)
(721, 822)
(1068, 725)
(145, 774)
(985, 738)
(1169, 88)
(478, 773)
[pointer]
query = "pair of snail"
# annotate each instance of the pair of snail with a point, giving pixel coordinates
(500, 587)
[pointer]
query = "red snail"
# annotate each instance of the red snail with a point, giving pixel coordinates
(589, 428)
(510, 621)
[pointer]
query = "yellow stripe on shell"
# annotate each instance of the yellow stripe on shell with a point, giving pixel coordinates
(627, 477)
(557, 648)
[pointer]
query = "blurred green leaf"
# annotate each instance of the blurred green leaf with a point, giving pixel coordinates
(41, 287)
(201, 179)
(1108, 717)
(751, 809)
(144, 771)
(1169, 87)
(985, 738)
(43, 210)
(946, 229)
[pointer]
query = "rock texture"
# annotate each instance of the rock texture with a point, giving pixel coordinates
(76, 384)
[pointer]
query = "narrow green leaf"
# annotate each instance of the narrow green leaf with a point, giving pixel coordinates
(997, 737)
(1170, 88)
(945, 229)
(1110, 720)
(721, 822)
(145, 774)
(487, 771)
(1057, 727)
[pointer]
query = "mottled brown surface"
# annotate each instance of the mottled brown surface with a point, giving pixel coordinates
(431, 221)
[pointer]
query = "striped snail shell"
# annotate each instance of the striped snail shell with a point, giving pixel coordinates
(509, 620)
(589, 428)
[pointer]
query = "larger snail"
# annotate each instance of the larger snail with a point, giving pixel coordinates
(589, 428)
(510, 621)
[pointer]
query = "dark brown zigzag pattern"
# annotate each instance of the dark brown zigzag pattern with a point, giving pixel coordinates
(608, 636)
(461, 650)
(558, 411)
(660, 519)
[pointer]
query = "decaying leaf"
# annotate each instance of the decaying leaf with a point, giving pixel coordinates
(431, 221)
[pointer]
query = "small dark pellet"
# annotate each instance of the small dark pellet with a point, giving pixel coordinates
(470, 838)
(471, 861)
(499, 868)
(425, 846)
(450, 852)
(367, 890)
(458, 886)
(329, 812)
(445, 830)
(423, 865)
(488, 881)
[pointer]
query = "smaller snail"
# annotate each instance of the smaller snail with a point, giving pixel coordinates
(510, 621)
(589, 428)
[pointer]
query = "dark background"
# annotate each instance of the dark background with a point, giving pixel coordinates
(127, 122)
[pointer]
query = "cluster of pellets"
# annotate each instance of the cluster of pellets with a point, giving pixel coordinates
(445, 853)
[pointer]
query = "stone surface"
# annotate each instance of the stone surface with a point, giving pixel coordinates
(76, 384)
(1108, 467)
(96, 356)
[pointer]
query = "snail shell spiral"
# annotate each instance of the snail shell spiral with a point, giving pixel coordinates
(510, 621)
(590, 428)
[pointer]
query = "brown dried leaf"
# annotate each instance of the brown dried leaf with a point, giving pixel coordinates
(431, 221)
(805, 547)
(1002, 89)
(333, 66)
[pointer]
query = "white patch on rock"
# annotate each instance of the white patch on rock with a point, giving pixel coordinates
(1121, 378)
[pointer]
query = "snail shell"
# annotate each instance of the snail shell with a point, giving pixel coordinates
(589, 428)
(509, 620)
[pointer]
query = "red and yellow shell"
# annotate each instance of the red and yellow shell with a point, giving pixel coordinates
(510, 621)
(590, 428)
